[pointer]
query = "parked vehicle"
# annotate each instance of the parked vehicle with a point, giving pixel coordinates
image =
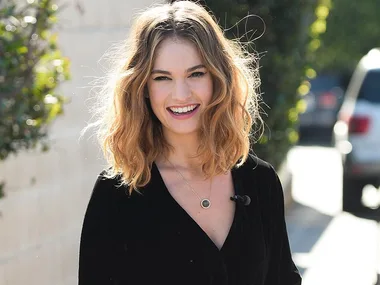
(322, 104)
(357, 131)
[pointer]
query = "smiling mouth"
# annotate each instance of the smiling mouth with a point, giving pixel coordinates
(178, 111)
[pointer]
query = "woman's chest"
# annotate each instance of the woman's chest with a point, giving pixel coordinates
(169, 244)
(167, 253)
(207, 205)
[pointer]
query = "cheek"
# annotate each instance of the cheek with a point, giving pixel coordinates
(155, 103)
(202, 87)
(210, 90)
(206, 89)
(156, 98)
(158, 90)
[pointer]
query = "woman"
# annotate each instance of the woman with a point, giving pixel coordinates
(183, 201)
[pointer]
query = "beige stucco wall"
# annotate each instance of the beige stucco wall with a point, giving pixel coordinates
(46, 194)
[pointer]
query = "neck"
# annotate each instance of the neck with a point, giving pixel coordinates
(184, 154)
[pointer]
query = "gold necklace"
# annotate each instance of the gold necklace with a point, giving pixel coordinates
(205, 202)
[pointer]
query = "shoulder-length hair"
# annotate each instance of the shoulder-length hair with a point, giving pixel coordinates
(129, 133)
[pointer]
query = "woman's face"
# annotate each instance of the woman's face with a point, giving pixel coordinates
(179, 87)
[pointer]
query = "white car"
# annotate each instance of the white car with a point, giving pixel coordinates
(357, 132)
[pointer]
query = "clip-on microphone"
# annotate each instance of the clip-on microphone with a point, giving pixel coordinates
(245, 200)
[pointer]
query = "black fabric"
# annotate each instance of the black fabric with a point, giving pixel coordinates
(149, 239)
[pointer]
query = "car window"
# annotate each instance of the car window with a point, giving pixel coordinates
(325, 83)
(370, 89)
(326, 92)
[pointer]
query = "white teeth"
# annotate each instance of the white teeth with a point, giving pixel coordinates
(184, 109)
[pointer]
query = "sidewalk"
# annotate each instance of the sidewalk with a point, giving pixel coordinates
(330, 247)
(338, 250)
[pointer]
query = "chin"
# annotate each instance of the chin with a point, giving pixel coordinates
(183, 131)
(186, 132)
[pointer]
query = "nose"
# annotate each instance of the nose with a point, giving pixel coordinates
(181, 90)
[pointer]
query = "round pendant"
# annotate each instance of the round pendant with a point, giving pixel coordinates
(205, 203)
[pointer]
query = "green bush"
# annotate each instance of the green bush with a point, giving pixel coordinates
(352, 30)
(31, 68)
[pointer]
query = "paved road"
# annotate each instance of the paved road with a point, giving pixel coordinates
(330, 247)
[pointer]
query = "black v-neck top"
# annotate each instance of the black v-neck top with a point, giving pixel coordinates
(149, 239)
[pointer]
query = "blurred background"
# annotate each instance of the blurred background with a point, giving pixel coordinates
(320, 71)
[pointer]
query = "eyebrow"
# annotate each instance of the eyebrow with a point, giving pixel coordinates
(187, 70)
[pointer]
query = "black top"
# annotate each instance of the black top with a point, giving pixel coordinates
(150, 239)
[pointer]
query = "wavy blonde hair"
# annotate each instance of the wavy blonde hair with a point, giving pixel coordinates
(129, 133)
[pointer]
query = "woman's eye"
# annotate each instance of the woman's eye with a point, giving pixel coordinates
(161, 78)
(197, 74)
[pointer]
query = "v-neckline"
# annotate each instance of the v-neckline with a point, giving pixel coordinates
(189, 217)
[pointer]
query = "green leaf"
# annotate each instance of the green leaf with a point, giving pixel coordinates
(22, 50)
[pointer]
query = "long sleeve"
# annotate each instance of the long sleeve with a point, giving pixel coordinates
(281, 268)
(95, 260)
